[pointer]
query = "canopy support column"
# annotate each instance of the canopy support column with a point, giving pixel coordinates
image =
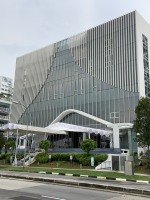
(116, 142)
(32, 141)
(45, 137)
(16, 149)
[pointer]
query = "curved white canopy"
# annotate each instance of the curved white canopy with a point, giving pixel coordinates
(31, 129)
(74, 128)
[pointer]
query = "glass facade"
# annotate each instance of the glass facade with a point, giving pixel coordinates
(68, 86)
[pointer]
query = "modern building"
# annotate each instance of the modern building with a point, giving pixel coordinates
(6, 87)
(92, 79)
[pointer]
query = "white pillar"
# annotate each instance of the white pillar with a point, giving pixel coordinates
(17, 142)
(111, 141)
(116, 142)
(15, 162)
(84, 136)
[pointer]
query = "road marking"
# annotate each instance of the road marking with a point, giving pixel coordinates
(52, 197)
(55, 173)
(84, 176)
(142, 181)
(120, 179)
(69, 174)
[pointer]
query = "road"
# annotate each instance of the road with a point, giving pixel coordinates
(27, 190)
(83, 179)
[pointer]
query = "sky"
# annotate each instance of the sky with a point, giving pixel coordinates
(27, 25)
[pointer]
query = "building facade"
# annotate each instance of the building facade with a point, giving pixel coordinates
(6, 87)
(102, 72)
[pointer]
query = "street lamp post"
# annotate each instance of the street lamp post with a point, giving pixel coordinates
(26, 131)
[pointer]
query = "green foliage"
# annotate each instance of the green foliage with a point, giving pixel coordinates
(82, 158)
(142, 122)
(136, 158)
(42, 157)
(87, 145)
(11, 143)
(7, 97)
(3, 156)
(19, 156)
(141, 153)
(44, 144)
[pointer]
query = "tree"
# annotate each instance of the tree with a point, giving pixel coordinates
(142, 122)
(11, 143)
(87, 145)
(2, 95)
(5, 96)
(2, 142)
(44, 144)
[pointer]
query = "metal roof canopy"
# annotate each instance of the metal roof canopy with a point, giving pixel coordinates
(31, 129)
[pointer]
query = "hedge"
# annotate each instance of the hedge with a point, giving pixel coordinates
(82, 158)
(7, 156)
(3, 156)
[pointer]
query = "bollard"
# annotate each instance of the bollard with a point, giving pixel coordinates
(80, 166)
(4, 162)
(38, 163)
(51, 165)
(57, 164)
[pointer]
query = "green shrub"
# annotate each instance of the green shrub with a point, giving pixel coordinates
(88, 145)
(19, 156)
(42, 157)
(8, 157)
(3, 156)
(82, 158)
(141, 153)
(136, 158)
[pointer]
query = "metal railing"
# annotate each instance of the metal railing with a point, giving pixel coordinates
(6, 99)
(124, 145)
(4, 117)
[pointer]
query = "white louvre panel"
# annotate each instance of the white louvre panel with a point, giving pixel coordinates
(118, 34)
(36, 63)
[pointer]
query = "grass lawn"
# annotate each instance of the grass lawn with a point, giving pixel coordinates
(2, 163)
(75, 169)
(62, 164)
(142, 170)
(78, 171)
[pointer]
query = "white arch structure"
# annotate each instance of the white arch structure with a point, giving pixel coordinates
(115, 127)
(66, 112)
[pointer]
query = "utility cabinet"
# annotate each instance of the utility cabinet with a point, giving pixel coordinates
(129, 168)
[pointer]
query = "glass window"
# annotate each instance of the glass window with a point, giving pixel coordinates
(75, 92)
(76, 72)
(94, 88)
